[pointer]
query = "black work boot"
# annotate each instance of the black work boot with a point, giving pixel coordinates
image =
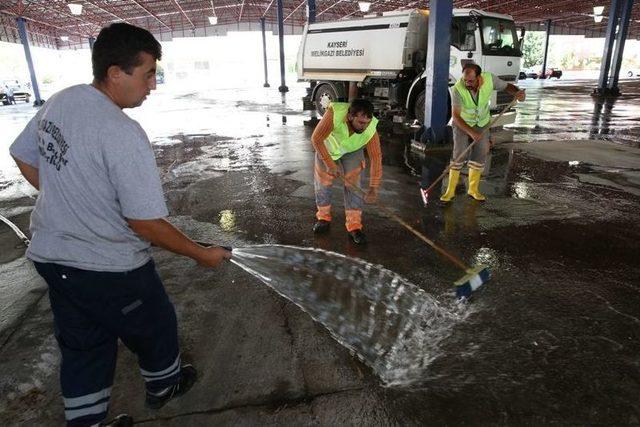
(358, 237)
(321, 227)
(188, 376)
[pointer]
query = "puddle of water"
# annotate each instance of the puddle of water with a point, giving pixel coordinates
(391, 324)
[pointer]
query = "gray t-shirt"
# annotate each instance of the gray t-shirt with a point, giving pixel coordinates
(96, 168)
(456, 99)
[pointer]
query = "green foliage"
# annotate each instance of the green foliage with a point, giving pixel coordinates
(533, 48)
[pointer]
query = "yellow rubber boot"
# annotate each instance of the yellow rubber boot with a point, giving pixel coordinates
(474, 184)
(454, 177)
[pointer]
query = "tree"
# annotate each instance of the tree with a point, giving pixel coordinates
(533, 48)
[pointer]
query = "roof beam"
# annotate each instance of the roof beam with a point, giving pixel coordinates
(294, 10)
(267, 9)
(184, 14)
(330, 7)
(107, 11)
(67, 15)
(26, 18)
(152, 14)
(241, 10)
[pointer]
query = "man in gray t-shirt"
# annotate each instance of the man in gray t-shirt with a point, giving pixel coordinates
(99, 208)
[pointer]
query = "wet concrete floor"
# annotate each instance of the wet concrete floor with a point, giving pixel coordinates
(554, 337)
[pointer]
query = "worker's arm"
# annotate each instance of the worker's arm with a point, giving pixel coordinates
(459, 122)
(162, 233)
(320, 133)
(375, 159)
(29, 172)
(516, 91)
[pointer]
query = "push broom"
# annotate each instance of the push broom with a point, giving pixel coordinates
(473, 278)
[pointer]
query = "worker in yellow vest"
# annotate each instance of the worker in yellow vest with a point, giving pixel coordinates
(340, 139)
(470, 111)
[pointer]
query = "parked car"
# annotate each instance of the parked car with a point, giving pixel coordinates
(528, 73)
(551, 72)
(20, 92)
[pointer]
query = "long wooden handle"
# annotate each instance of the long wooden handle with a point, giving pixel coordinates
(395, 217)
(465, 152)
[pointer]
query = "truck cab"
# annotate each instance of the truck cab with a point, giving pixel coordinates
(491, 41)
(384, 54)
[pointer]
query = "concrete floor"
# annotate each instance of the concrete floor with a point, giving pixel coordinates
(554, 337)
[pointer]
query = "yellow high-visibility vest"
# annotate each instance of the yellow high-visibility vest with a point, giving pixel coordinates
(476, 114)
(339, 142)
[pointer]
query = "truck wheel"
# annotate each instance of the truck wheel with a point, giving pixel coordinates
(418, 107)
(630, 74)
(325, 94)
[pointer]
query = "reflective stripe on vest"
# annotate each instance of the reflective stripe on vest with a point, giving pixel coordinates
(476, 114)
(339, 142)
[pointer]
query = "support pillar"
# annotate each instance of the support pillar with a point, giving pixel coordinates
(283, 87)
(264, 54)
(311, 11)
(22, 30)
(92, 40)
(625, 15)
(608, 48)
(546, 50)
(437, 67)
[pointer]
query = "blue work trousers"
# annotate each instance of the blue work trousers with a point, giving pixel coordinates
(91, 311)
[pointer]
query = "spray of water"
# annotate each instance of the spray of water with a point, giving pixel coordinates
(389, 323)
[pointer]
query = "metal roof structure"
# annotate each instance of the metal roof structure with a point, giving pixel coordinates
(50, 23)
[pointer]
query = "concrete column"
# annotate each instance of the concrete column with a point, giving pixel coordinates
(311, 11)
(283, 87)
(608, 48)
(546, 49)
(22, 30)
(264, 54)
(92, 40)
(625, 15)
(437, 70)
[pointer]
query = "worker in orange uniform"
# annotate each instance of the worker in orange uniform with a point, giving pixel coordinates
(340, 140)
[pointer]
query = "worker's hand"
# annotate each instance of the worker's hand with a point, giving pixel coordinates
(372, 195)
(476, 135)
(521, 95)
(213, 256)
(332, 169)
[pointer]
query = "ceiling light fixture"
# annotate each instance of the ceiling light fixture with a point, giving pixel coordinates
(75, 8)
(64, 38)
(213, 19)
(364, 6)
(597, 10)
(598, 18)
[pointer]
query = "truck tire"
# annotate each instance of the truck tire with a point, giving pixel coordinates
(324, 95)
(418, 107)
(630, 74)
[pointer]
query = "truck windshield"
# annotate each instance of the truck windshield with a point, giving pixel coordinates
(499, 37)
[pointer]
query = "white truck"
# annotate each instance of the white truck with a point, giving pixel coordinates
(385, 55)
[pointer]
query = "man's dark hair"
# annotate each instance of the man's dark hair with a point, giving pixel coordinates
(121, 44)
(361, 106)
(472, 66)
